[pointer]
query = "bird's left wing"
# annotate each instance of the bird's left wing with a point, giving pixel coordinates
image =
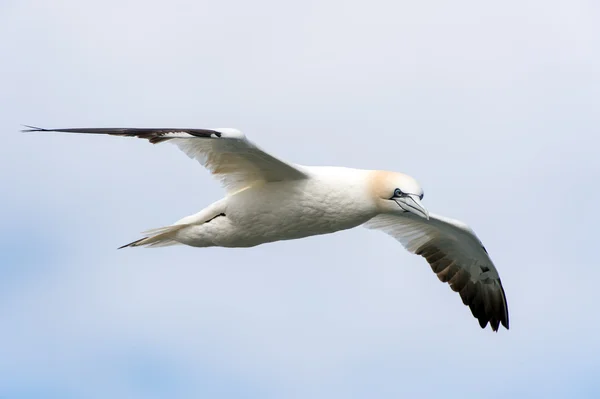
(457, 257)
(227, 153)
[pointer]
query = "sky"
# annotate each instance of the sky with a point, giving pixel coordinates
(493, 108)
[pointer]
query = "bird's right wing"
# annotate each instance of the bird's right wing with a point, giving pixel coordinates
(457, 256)
(227, 153)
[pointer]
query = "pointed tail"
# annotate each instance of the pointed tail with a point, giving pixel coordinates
(160, 237)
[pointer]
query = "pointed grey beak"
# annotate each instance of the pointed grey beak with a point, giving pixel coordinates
(412, 203)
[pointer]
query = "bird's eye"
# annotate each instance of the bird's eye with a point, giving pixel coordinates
(398, 193)
(421, 196)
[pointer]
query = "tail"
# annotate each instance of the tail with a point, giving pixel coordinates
(160, 237)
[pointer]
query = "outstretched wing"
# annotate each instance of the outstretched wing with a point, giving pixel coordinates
(457, 257)
(233, 159)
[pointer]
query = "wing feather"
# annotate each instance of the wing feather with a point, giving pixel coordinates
(457, 257)
(226, 153)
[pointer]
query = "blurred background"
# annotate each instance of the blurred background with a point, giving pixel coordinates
(492, 107)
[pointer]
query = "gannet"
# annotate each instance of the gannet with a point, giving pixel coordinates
(269, 200)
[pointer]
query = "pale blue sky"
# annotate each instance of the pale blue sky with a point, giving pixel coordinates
(493, 108)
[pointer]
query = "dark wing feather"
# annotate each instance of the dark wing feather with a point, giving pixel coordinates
(153, 135)
(457, 257)
(485, 298)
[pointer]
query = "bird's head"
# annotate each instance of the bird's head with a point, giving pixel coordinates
(397, 192)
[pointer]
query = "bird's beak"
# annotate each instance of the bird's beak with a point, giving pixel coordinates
(412, 203)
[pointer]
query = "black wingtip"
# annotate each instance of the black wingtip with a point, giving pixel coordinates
(32, 129)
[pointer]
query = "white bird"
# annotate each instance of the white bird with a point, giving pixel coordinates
(270, 200)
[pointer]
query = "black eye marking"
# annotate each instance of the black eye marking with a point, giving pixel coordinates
(421, 196)
(484, 269)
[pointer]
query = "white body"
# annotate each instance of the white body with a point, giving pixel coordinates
(332, 199)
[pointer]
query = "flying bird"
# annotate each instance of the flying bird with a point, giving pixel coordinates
(269, 200)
